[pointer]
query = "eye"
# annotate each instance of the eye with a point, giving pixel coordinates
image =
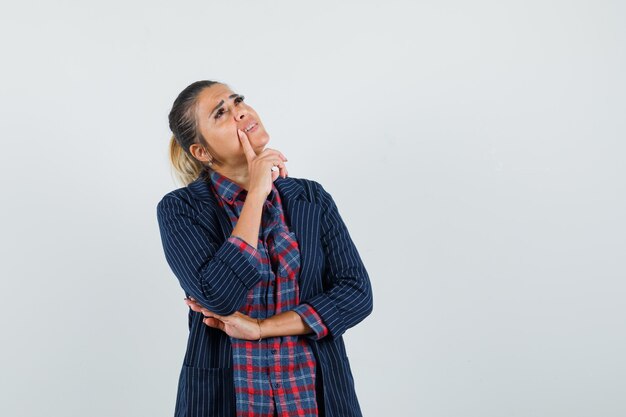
(238, 100)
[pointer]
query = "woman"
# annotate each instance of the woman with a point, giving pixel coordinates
(271, 275)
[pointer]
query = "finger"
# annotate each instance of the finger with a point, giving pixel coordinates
(208, 313)
(245, 143)
(269, 152)
(210, 321)
(194, 306)
(279, 171)
(282, 169)
(284, 172)
(275, 152)
(197, 308)
(214, 323)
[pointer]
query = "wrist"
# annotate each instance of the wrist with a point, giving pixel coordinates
(258, 320)
(264, 332)
(256, 195)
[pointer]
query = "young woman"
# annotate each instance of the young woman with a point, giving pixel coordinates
(271, 274)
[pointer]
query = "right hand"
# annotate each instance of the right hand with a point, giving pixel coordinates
(260, 166)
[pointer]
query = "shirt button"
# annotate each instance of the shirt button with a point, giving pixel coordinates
(277, 385)
(273, 350)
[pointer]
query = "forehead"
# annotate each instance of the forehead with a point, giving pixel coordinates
(210, 97)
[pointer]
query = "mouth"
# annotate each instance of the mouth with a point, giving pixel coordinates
(251, 127)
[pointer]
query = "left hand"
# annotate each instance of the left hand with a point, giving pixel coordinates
(237, 325)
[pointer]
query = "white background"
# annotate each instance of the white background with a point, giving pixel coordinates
(488, 135)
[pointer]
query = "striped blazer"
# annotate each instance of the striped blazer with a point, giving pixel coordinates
(332, 279)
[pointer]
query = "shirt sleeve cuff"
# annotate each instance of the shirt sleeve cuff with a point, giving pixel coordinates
(249, 251)
(313, 320)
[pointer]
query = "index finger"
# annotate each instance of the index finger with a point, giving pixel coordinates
(247, 148)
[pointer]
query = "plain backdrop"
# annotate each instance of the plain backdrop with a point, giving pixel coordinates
(475, 150)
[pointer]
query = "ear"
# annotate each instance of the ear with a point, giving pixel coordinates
(201, 153)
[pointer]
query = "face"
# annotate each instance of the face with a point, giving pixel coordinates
(220, 113)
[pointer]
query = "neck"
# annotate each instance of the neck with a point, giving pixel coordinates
(239, 175)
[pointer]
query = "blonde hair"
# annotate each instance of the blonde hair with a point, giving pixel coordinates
(186, 167)
(185, 132)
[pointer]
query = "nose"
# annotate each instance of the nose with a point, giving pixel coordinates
(240, 114)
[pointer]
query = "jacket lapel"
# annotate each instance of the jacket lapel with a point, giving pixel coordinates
(301, 215)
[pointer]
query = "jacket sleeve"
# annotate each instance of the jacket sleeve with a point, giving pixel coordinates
(249, 251)
(349, 300)
(217, 275)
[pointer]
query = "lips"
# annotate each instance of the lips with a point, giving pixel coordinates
(250, 127)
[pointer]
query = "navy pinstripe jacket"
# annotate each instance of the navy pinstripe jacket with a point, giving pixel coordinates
(332, 279)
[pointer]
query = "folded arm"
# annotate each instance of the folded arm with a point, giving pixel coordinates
(218, 276)
(287, 323)
(349, 300)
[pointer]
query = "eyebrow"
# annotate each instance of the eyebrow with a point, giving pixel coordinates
(221, 103)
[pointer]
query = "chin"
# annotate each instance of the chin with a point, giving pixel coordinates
(260, 140)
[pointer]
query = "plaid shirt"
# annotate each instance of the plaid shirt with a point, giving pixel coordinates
(277, 375)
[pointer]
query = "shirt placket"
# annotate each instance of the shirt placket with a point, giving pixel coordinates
(271, 345)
